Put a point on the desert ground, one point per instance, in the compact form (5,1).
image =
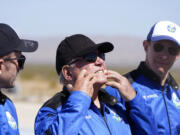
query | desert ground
(26,113)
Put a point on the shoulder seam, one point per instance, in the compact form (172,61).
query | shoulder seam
(132,76)
(57,100)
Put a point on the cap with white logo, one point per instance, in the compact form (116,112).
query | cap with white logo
(165,30)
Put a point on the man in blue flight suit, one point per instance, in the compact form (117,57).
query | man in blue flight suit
(82,107)
(11,62)
(153,81)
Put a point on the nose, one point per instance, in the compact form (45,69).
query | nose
(165,54)
(99,61)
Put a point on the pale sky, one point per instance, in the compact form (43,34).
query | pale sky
(104,17)
(58,18)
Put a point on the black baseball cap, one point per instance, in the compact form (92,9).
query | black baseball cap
(76,46)
(9,41)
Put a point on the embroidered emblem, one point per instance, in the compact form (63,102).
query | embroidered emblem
(11,121)
(150,96)
(116,116)
(175,100)
(88,117)
(171,28)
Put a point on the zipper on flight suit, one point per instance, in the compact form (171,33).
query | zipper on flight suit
(102,114)
(107,125)
(167,113)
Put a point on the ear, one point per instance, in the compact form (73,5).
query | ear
(178,56)
(146,44)
(67,72)
(1,62)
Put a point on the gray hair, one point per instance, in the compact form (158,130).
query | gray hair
(62,80)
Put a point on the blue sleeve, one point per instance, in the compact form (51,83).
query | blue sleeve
(141,118)
(66,119)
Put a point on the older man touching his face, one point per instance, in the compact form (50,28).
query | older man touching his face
(82,107)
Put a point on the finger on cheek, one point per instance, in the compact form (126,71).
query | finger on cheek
(106,72)
(83,73)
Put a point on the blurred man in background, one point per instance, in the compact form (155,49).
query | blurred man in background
(11,62)
(82,107)
(153,80)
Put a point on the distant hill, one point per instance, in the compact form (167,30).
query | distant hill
(128,50)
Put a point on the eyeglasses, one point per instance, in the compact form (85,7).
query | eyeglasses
(21,61)
(171,50)
(90,57)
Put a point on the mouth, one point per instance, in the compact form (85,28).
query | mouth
(99,71)
(162,63)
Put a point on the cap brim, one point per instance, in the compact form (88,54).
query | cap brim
(102,47)
(27,46)
(105,47)
(158,38)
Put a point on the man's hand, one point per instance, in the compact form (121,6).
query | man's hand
(122,84)
(85,83)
